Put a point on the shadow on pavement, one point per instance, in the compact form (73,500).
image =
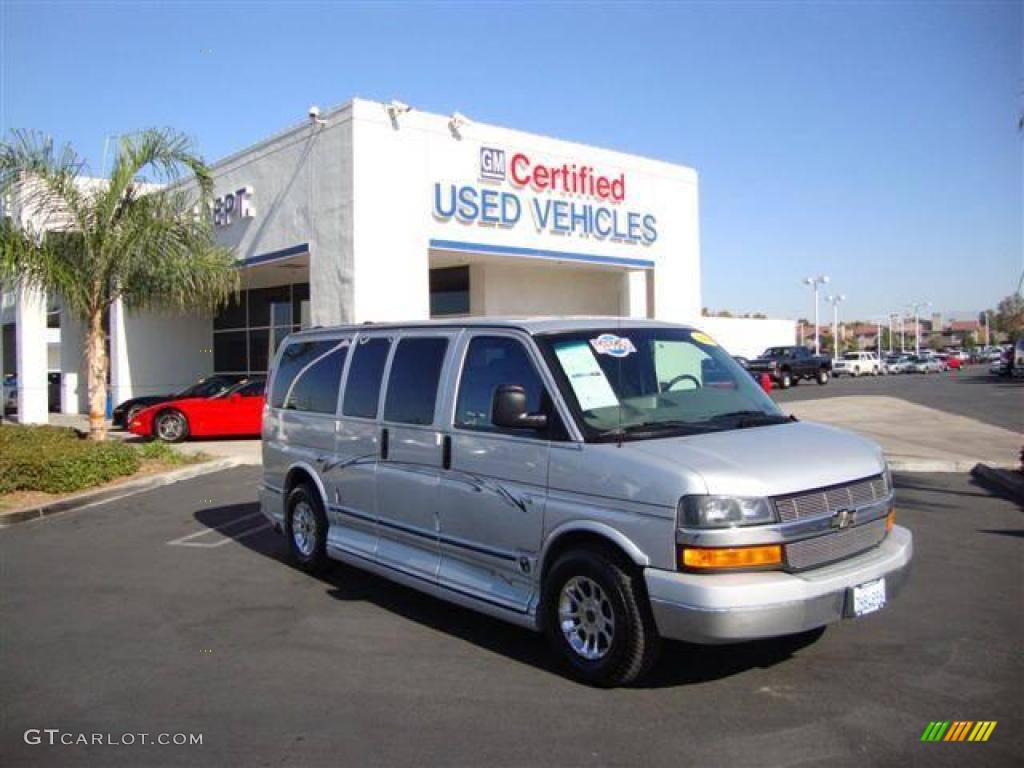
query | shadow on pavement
(680,663)
(1018,533)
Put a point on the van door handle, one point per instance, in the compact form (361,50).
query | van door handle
(446,452)
(384,444)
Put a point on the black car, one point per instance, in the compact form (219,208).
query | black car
(208,387)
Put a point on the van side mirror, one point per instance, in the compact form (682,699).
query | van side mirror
(508,409)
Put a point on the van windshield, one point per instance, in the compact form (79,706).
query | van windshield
(642,383)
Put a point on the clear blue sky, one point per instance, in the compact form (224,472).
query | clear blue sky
(876,142)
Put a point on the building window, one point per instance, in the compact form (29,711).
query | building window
(449,291)
(248,330)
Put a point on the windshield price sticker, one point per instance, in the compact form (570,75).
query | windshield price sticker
(586,377)
(610,344)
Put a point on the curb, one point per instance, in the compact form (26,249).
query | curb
(939,466)
(129,488)
(1001,481)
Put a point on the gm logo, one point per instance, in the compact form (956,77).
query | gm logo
(492,163)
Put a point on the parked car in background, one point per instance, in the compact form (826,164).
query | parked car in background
(894,364)
(208,387)
(857,364)
(236,412)
(10,393)
(788,365)
(950,362)
(605,482)
(924,364)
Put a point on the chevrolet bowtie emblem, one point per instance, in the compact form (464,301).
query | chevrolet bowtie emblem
(842,519)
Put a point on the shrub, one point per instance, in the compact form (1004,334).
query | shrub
(162,452)
(57,460)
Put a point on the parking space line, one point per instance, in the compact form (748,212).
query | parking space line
(189,539)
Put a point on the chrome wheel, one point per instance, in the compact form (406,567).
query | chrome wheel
(586,617)
(304,528)
(170,427)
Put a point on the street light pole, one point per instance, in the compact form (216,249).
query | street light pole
(815,282)
(834,300)
(917,324)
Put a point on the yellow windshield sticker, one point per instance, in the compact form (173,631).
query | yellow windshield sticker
(703,338)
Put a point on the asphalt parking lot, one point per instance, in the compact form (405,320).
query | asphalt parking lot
(173,611)
(972,392)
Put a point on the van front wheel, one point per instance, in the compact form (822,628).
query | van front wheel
(597,619)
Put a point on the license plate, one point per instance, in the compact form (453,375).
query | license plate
(868,598)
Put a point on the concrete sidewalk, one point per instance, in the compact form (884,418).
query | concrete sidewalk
(916,438)
(240,451)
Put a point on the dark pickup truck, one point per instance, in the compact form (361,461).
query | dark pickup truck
(788,365)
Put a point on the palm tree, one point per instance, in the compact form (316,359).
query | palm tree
(143,239)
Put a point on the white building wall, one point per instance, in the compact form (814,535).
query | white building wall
(519,289)
(72,365)
(748,337)
(155,353)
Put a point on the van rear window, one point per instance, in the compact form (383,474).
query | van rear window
(308,376)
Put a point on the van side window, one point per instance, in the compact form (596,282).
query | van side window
(490,362)
(296,356)
(414,379)
(362,388)
(315,389)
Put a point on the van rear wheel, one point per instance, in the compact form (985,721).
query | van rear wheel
(597,619)
(306,529)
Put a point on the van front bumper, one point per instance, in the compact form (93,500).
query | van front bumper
(732,607)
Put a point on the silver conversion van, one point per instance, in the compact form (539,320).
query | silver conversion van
(608,482)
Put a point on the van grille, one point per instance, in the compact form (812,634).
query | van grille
(827,501)
(820,550)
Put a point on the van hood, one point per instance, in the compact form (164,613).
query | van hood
(771,460)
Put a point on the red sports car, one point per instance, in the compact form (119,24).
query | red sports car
(234,413)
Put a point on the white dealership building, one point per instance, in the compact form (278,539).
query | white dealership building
(373,212)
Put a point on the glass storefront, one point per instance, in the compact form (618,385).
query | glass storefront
(248,331)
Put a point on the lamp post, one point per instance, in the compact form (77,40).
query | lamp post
(814,282)
(834,301)
(916,306)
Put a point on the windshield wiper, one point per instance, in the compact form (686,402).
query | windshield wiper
(750,418)
(651,427)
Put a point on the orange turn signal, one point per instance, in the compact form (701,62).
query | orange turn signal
(890,520)
(705,558)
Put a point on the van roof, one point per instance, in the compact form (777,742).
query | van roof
(531,325)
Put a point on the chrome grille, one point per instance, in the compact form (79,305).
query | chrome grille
(809,553)
(828,501)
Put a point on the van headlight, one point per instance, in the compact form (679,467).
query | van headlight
(725,511)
